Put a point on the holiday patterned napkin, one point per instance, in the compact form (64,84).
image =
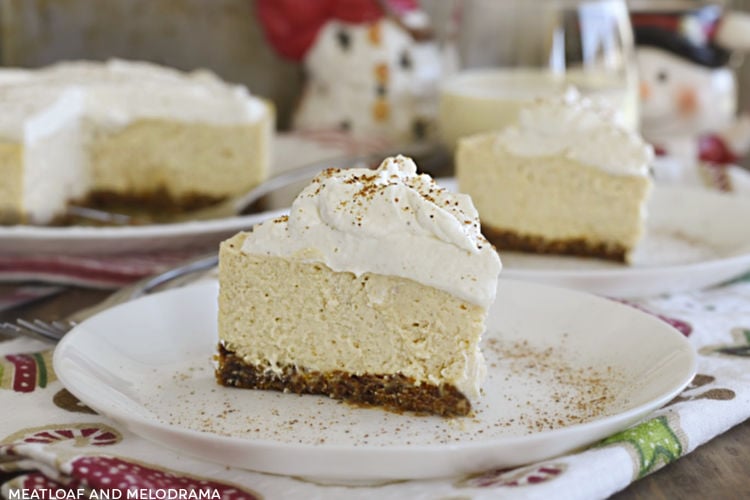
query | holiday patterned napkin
(94,271)
(731,179)
(52,446)
(725,178)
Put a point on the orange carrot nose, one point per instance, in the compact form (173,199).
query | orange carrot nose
(645,90)
(687,101)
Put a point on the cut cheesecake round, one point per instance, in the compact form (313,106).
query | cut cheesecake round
(125,134)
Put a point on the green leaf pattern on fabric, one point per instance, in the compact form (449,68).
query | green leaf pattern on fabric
(654,442)
(742,279)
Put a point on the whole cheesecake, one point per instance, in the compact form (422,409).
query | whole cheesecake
(566,179)
(125,133)
(373,290)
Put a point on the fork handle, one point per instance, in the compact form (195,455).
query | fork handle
(147,285)
(200,264)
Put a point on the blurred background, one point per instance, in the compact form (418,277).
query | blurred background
(742,66)
(222,35)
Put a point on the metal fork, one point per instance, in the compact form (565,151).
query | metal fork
(50,331)
(53,331)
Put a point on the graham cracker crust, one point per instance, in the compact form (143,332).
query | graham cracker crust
(159,199)
(140,206)
(510,240)
(392,392)
(10,218)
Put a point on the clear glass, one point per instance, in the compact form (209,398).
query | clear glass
(503,53)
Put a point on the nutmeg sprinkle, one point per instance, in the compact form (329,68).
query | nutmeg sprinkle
(372,184)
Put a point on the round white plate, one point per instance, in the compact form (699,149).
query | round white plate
(565,370)
(694,239)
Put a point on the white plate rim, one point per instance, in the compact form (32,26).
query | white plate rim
(101,241)
(143,231)
(516,273)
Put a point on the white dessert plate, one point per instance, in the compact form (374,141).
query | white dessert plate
(566,369)
(694,239)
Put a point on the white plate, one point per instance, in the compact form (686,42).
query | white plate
(694,239)
(589,368)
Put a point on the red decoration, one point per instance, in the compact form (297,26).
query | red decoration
(681,326)
(523,476)
(712,149)
(24,379)
(662,21)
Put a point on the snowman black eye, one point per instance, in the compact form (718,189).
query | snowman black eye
(343,39)
(405,60)
(662,76)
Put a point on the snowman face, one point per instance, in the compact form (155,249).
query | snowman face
(681,98)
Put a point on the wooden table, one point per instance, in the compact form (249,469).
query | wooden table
(720,469)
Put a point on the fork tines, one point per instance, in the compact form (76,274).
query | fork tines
(50,331)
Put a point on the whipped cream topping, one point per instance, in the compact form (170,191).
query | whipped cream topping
(575,127)
(119,92)
(389,221)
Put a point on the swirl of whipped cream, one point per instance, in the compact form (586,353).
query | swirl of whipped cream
(389,221)
(579,129)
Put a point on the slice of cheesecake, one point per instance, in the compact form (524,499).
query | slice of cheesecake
(567,179)
(373,290)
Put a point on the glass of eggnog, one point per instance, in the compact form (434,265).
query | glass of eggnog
(502,54)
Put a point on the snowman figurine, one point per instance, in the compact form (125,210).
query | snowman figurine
(371,68)
(689,93)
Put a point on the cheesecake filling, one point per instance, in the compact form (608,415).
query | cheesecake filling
(276,313)
(49,133)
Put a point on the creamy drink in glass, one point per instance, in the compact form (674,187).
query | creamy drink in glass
(510,52)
